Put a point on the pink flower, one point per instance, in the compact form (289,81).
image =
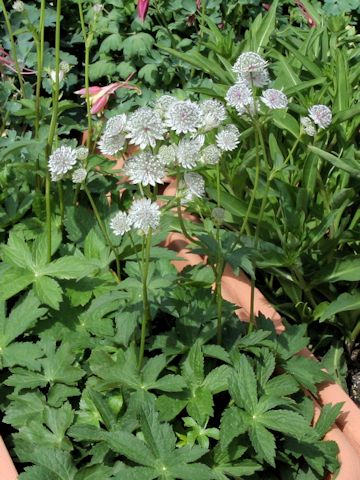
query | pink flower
(9,63)
(99,96)
(142,9)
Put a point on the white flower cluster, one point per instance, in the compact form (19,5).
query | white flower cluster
(143,215)
(64,159)
(319,115)
(252,72)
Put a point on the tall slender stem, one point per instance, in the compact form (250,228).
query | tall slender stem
(219,264)
(40,65)
(87,40)
(103,230)
(13,48)
(53,125)
(146,307)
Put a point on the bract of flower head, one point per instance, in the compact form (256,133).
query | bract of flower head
(166,154)
(111,145)
(18,6)
(120,224)
(184,117)
(163,104)
(218,214)
(144,214)
(274,99)
(145,127)
(82,153)
(239,95)
(321,115)
(61,161)
(308,126)
(144,168)
(211,155)
(115,125)
(79,175)
(98,8)
(252,68)
(214,113)
(228,138)
(188,152)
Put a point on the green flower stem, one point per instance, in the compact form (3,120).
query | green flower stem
(219,264)
(146,307)
(53,126)
(40,66)
(61,201)
(87,40)
(103,230)
(13,48)
(291,152)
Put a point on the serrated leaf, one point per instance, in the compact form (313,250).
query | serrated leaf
(48,291)
(193,366)
(217,379)
(57,463)
(306,371)
(169,383)
(200,405)
(263,442)
(189,472)
(344,303)
(131,447)
(328,415)
(288,422)
(242,385)
(234,422)
(17,252)
(24,408)
(281,385)
(13,280)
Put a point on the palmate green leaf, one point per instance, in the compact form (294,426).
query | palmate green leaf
(116,373)
(242,385)
(95,472)
(189,472)
(234,422)
(102,406)
(265,367)
(22,317)
(193,367)
(345,302)
(59,365)
(35,473)
(159,437)
(288,422)
(17,252)
(48,291)
(217,379)
(328,415)
(263,442)
(200,404)
(13,280)
(170,407)
(131,447)
(169,383)
(136,473)
(292,341)
(24,408)
(69,267)
(57,463)
(243,469)
(23,378)
(281,385)
(152,368)
(306,371)
(24,354)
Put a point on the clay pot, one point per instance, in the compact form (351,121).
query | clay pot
(237,290)
(7,468)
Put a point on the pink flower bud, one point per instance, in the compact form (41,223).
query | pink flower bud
(142,9)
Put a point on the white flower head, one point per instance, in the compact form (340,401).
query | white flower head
(145,127)
(144,168)
(163,104)
(321,115)
(308,126)
(195,185)
(18,6)
(144,214)
(115,125)
(82,153)
(111,145)
(98,8)
(61,161)
(211,155)
(188,152)
(274,99)
(214,113)
(252,68)
(166,154)
(120,224)
(218,214)
(228,138)
(239,95)
(79,175)
(184,117)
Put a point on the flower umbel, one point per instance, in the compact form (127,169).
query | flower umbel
(61,161)
(321,115)
(274,99)
(79,175)
(184,117)
(111,145)
(228,138)
(144,214)
(195,185)
(144,168)
(188,152)
(145,127)
(308,126)
(120,224)
(251,68)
